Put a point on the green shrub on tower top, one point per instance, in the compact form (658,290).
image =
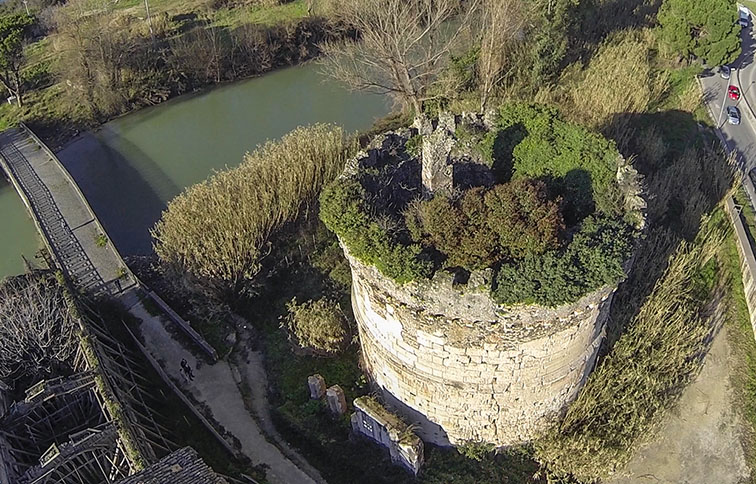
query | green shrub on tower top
(535,198)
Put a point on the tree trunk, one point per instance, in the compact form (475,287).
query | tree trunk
(17,93)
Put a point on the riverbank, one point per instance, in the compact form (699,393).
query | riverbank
(187,49)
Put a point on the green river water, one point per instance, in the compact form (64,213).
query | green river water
(131,167)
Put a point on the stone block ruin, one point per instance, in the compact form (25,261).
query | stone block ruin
(445,355)
(373,421)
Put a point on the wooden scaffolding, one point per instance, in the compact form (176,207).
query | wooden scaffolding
(96,426)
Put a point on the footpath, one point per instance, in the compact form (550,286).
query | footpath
(216,388)
(699,441)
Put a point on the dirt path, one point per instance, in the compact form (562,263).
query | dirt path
(215,386)
(699,442)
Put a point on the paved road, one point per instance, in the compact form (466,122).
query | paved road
(740,138)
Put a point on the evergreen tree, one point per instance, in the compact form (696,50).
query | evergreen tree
(706,29)
(13,32)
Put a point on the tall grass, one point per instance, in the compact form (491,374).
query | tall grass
(649,366)
(214,234)
(619,79)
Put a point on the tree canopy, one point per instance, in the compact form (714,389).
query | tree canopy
(13,31)
(706,29)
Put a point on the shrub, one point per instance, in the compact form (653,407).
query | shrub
(343,210)
(484,226)
(524,218)
(580,165)
(318,325)
(214,234)
(593,259)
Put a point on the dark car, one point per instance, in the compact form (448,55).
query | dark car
(724,72)
(733,115)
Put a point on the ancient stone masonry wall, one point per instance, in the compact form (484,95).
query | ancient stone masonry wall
(463,368)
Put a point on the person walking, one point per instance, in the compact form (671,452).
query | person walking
(187,369)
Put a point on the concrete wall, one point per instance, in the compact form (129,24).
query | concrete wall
(747,261)
(463,368)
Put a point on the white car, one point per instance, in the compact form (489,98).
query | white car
(733,115)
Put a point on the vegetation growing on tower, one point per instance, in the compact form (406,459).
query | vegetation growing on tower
(535,198)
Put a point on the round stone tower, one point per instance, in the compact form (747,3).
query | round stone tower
(464,368)
(442,352)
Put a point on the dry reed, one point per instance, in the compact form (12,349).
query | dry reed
(215,233)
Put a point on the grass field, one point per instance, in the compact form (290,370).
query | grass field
(253,13)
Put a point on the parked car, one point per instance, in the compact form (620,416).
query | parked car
(733,92)
(724,72)
(733,115)
(743,22)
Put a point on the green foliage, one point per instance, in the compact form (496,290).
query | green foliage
(648,367)
(215,233)
(328,257)
(484,226)
(317,325)
(550,40)
(13,31)
(705,29)
(533,141)
(101,240)
(414,145)
(476,450)
(593,259)
(463,69)
(343,210)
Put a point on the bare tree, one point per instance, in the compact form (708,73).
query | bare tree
(404,45)
(37,331)
(500,23)
(92,49)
